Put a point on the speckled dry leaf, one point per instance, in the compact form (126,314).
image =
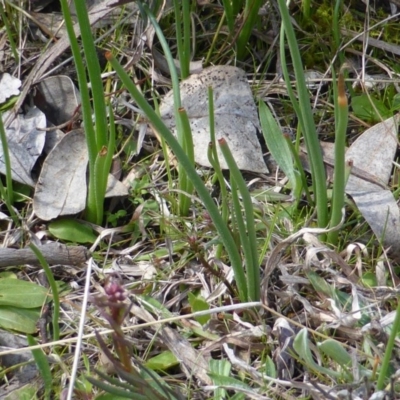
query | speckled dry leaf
(373,152)
(9,86)
(25,144)
(61,187)
(236,117)
(58,98)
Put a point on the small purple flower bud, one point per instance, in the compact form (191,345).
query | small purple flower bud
(114,291)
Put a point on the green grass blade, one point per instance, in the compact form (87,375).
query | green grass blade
(389,349)
(250,18)
(184,183)
(202,191)
(277,145)
(10,37)
(305,116)
(54,291)
(249,242)
(339,183)
(214,161)
(9,193)
(183,41)
(43,367)
(90,132)
(229,15)
(181,126)
(93,68)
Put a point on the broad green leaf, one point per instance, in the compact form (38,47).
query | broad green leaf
(109,396)
(369,279)
(199,304)
(302,348)
(160,253)
(270,368)
(238,396)
(204,333)
(333,349)
(396,102)
(219,368)
(229,381)
(370,109)
(162,361)
(152,304)
(8,275)
(27,392)
(72,231)
(277,144)
(19,319)
(268,195)
(321,286)
(116,392)
(23,294)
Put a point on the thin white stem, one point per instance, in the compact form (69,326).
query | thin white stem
(80,332)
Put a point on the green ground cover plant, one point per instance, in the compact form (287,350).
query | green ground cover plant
(193,260)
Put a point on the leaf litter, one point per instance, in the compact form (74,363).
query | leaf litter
(61,187)
(321,308)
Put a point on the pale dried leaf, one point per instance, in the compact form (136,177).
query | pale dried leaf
(139,269)
(236,117)
(9,86)
(52,24)
(192,362)
(25,144)
(58,98)
(373,152)
(372,156)
(61,187)
(115,188)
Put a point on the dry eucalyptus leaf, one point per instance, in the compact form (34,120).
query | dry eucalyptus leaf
(61,187)
(372,156)
(115,188)
(52,24)
(58,98)
(236,117)
(373,152)
(9,86)
(25,144)
(52,138)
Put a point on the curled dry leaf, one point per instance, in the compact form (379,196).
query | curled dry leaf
(373,152)
(9,86)
(235,113)
(58,98)
(25,144)
(61,187)
(372,157)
